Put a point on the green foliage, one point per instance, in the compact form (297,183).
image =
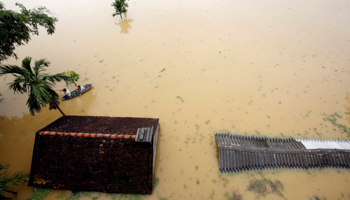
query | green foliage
(333,119)
(120,7)
(16,28)
(155,181)
(7,181)
(38,84)
(40,194)
(197,126)
(180,98)
(73,76)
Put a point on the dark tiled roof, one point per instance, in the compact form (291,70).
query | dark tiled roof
(92,161)
(98,124)
(88,135)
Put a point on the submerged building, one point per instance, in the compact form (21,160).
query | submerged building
(239,153)
(105,154)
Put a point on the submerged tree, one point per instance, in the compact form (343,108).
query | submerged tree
(72,75)
(236,196)
(261,189)
(7,181)
(120,7)
(16,28)
(37,84)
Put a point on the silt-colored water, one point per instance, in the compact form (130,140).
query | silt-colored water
(271,68)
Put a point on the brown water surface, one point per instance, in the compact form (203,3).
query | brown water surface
(272,68)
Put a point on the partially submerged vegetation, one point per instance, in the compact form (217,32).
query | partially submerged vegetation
(40,194)
(120,7)
(333,119)
(8,180)
(264,186)
(73,76)
(235,196)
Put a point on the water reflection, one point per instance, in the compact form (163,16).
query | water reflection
(124,24)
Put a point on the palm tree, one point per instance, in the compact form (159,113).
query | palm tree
(37,84)
(120,7)
(8,180)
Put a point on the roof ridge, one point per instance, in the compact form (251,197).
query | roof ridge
(88,135)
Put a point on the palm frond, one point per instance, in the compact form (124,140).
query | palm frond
(4,166)
(7,181)
(120,7)
(11,69)
(39,66)
(38,98)
(53,93)
(125,5)
(12,179)
(54,103)
(26,64)
(58,78)
(18,85)
(44,83)
(33,104)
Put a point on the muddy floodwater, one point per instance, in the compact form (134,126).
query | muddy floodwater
(266,68)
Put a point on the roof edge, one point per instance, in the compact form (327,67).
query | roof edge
(87,135)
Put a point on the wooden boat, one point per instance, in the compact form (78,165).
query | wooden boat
(75,93)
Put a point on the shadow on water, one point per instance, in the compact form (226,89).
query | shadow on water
(124,24)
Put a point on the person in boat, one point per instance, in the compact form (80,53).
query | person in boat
(81,89)
(67,94)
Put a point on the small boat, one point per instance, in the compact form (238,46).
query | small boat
(75,93)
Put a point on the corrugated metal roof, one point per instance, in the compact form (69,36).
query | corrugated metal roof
(237,153)
(325,144)
(144,134)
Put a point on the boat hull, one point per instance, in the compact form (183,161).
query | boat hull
(76,92)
